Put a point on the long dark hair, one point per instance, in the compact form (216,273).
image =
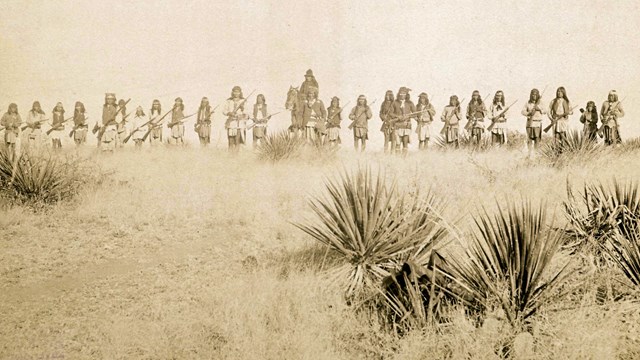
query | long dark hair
(564,93)
(33,108)
(159,107)
(594,112)
(495,98)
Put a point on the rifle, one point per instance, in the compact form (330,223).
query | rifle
(473,122)
(104,127)
(353,122)
(57,126)
(207,119)
(157,124)
(555,121)
(124,141)
(444,127)
(493,119)
(601,129)
(236,108)
(35,123)
(174,123)
(76,128)
(268,118)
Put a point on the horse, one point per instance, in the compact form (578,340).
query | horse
(293,104)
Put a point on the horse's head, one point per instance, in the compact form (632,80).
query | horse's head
(292,98)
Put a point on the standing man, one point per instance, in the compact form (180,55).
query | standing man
(80,126)
(57,126)
(176,126)
(203,122)
(234,109)
(534,110)
(139,127)
(35,118)
(386,113)
(260,119)
(612,111)
(499,131)
(476,112)
(403,111)
(424,119)
(121,123)
(451,118)
(11,122)
(560,109)
(107,141)
(308,84)
(313,113)
(590,120)
(334,117)
(360,115)
(155,134)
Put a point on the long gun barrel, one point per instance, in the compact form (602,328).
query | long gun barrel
(157,124)
(353,122)
(446,124)
(104,127)
(493,120)
(555,121)
(35,123)
(57,126)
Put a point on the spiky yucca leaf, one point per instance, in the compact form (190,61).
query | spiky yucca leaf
(510,262)
(466,142)
(373,226)
(45,178)
(280,145)
(603,210)
(575,146)
(625,252)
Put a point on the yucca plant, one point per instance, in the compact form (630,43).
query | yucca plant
(632,144)
(510,262)
(39,178)
(465,142)
(575,146)
(603,210)
(279,146)
(374,227)
(625,251)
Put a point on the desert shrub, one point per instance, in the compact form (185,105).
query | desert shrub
(465,142)
(374,227)
(575,147)
(509,263)
(279,146)
(632,144)
(600,212)
(38,179)
(625,251)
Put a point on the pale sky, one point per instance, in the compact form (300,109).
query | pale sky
(78,50)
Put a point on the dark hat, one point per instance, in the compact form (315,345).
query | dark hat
(178,99)
(236,88)
(309,73)
(404,90)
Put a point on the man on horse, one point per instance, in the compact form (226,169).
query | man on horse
(309,83)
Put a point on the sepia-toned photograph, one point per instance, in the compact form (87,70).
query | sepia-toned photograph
(319,179)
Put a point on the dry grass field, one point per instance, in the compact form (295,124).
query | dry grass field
(191,254)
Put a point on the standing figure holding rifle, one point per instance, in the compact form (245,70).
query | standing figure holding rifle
(203,122)
(360,115)
(80,126)
(57,126)
(35,118)
(260,119)
(139,127)
(499,119)
(176,125)
(589,118)
(403,111)
(559,111)
(334,117)
(234,109)
(121,123)
(155,132)
(11,122)
(387,128)
(611,112)
(476,112)
(534,110)
(108,129)
(313,114)
(426,112)
(451,118)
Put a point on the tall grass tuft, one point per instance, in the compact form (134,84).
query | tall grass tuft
(374,227)
(40,179)
(279,146)
(602,211)
(575,146)
(465,142)
(510,263)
